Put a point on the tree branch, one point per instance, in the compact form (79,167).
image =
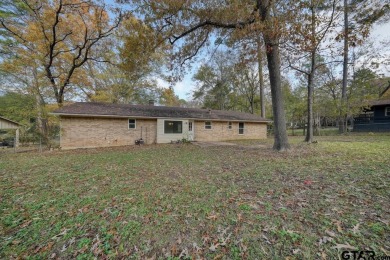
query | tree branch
(238,25)
(297,69)
(197,49)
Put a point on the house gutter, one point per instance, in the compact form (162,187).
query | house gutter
(148,117)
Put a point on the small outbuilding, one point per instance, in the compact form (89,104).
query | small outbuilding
(89,124)
(374,119)
(6,124)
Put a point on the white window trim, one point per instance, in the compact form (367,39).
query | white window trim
(387,111)
(135,123)
(243,129)
(182,124)
(211,125)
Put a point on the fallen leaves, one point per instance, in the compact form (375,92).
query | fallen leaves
(387,253)
(344,246)
(184,253)
(95,248)
(295,251)
(324,240)
(355,229)
(330,233)
(196,248)
(63,233)
(213,247)
(212,217)
(26,223)
(266,239)
(217,215)
(338,225)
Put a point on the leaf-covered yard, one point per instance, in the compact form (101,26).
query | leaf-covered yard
(171,201)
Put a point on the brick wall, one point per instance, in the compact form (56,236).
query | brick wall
(220,131)
(104,132)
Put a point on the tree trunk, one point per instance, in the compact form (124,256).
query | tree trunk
(41,122)
(293,127)
(280,131)
(342,128)
(310,77)
(271,43)
(309,132)
(39,104)
(261,77)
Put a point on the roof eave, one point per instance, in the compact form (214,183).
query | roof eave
(13,122)
(129,116)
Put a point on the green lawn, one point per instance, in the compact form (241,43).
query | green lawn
(321,132)
(167,201)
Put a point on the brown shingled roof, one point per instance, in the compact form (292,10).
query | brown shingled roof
(385,91)
(148,111)
(380,102)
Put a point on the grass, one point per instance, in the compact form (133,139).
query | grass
(184,201)
(322,131)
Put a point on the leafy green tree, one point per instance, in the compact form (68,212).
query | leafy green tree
(295,105)
(137,55)
(212,90)
(11,10)
(314,23)
(169,98)
(245,81)
(364,87)
(20,108)
(228,82)
(214,82)
(17,107)
(359,16)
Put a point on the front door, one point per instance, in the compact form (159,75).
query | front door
(190,130)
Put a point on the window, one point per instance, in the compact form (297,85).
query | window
(387,111)
(230,125)
(132,124)
(240,128)
(207,125)
(190,126)
(173,127)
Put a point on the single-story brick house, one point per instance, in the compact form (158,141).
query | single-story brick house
(87,125)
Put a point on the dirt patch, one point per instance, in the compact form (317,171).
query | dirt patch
(211,144)
(218,144)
